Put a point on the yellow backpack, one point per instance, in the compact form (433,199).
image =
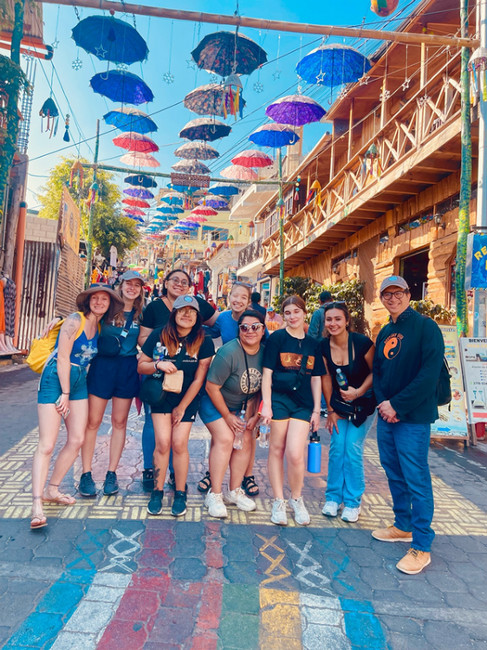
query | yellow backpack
(42,348)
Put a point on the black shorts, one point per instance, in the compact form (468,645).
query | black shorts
(172,400)
(285,408)
(113,377)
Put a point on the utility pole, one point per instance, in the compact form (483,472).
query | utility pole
(89,242)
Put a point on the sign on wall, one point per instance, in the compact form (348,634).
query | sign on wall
(476,269)
(474,361)
(69,222)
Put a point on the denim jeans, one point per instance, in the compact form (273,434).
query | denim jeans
(346,480)
(149,441)
(403,451)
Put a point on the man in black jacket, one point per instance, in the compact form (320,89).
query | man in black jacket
(407,364)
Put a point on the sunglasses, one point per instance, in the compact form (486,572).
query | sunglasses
(334,304)
(245,327)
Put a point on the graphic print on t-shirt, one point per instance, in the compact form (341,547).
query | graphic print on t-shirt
(292,361)
(392,345)
(254,383)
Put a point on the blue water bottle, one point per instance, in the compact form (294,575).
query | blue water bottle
(314,453)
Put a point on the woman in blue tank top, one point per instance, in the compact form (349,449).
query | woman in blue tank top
(63,394)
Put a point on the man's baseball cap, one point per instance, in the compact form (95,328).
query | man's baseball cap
(186,301)
(394,281)
(270,308)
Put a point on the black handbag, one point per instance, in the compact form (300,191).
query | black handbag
(109,345)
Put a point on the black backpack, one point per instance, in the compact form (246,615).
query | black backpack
(443,387)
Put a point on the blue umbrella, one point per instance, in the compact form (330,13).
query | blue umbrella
(139,193)
(172,200)
(333,65)
(110,39)
(134,217)
(122,86)
(130,119)
(141,180)
(170,209)
(222,189)
(273,135)
(204,128)
(186,189)
(215,203)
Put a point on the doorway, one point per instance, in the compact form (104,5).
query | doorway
(414,269)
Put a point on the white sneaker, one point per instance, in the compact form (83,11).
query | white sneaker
(240,499)
(215,505)
(301,515)
(350,514)
(278,514)
(330,509)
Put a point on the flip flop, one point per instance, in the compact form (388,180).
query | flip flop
(60,500)
(37,522)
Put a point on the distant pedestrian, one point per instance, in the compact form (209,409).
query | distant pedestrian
(255,303)
(407,364)
(273,320)
(317,323)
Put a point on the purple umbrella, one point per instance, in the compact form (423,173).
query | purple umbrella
(215,203)
(295,110)
(122,86)
(139,193)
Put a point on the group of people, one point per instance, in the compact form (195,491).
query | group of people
(257,376)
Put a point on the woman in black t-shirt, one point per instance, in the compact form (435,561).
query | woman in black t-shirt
(179,346)
(291,394)
(349,355)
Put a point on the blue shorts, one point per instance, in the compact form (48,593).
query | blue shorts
(209,412)
(113,377)
(49,390)
(285,408)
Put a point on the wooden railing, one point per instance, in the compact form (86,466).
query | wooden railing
(430,111)
(250,253)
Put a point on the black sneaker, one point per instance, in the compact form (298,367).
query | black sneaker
(154,507)
(87,487)
(110,486)
(172,481)
(179,503)
(148,480)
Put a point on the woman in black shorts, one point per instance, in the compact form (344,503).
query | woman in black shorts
(179,345)
(113,375)
(291,394)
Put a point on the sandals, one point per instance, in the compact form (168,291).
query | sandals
(37,521)
(249,486)
(60,500)
(205,483)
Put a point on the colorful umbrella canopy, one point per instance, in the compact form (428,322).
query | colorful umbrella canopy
(174,198)
(223,189)
(384,8)
(273,135)
(135,217)
(228,52)
(110,39)
(140,180)
(204,211)
(136,211)
(172,209)
(136,159)
(333,65)
(204,129)
(122,86)
(196,150)
(295,110)
(191,167)
(135,142)
(191,225)
(239,173)
(217,203)
(136,203)
(130,119)
(196,218)
(252,158)
(138,192)
(211,99)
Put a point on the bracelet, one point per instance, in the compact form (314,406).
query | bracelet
(155,365)
(315,411)
(64,393)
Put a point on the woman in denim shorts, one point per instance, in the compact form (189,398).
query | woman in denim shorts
(63,393)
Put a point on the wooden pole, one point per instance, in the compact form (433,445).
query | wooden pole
(265,24)
(89,239)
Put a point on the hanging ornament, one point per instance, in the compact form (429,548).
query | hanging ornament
(478,74)
(76,174)
(258,87)
(49,110)
(383,8)
(168,77)
(77,64)
(372,166)
(66,128)
(232,104)
(276,75)
(213,78)
(316,188)
(93,195)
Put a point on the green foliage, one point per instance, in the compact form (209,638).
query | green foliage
(110,227)
(293,286)
(437,312)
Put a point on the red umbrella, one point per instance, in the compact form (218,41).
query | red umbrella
(239,173)
(204,211)
(196,218)
(136,159)
(136,211)
(252,158)
(135,142)
(136,203)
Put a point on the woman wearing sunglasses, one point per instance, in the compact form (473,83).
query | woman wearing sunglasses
(291,394)
(229,410)
(347,390)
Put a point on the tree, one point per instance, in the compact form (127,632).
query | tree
(110,226)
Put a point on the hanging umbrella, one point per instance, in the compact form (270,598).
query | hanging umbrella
(333,65)
(135,159)
(204,129)
(273,135)
(136,203)
(223,189)
(188,224)
(140,180)
(122,86)
(135,142)
(134,217)
(110,39)
(217,203)
(191,167)
(252,158)
(173,209)
(384,8)
(204,211)
(295,110)
(227,52)
(173,198)
(196,150)
(214,99)
(239,173)
(137,211)
(138,193)
(196,218)
(130,119)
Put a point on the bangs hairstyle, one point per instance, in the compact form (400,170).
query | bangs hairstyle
(169,276)
(119,319)
(342,306)
(293,300)
(171,339)
(251,313)
(109,315)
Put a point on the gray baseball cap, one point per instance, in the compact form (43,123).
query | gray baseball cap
(394,281)
(131,275)
(186,301)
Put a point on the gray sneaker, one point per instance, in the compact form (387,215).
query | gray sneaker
(215,505)
(330,509)
(301,515)
(87,487)
(278,514)
(350,514)
(240,499)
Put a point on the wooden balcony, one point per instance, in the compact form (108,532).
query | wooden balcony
(417,147)
(250,253)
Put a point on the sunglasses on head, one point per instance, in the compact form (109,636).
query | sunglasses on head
(334,304)
(245,327)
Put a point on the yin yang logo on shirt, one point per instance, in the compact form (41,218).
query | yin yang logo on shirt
(392,346)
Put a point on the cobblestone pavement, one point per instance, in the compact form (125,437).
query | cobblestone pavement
(104,574)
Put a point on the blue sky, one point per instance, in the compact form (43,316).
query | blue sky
(170,44)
